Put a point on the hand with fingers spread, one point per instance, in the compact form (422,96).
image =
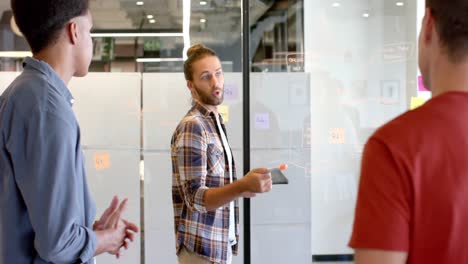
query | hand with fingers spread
(130,230)
(119,232)
(257,181)
(102,222)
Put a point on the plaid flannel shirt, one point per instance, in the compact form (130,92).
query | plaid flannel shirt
(199,162)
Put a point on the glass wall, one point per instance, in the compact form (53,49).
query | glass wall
(323,76)
(361,57)
(280,109)
(108,109)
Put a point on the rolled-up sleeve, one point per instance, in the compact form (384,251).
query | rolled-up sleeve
(191,149)
(50,188)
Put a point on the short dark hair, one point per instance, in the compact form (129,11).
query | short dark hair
(194,54)
(451,21)
(41,21)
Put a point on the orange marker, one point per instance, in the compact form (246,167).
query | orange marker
(281,167)
(277,176)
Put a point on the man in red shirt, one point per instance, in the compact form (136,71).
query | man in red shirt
(412,204)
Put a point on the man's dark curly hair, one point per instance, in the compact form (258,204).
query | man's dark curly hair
(41,21)
(451,21)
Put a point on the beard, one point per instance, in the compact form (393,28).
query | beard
(207,98)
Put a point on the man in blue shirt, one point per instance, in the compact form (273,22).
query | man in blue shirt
(46,211)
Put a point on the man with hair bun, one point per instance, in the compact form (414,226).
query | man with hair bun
(205,189)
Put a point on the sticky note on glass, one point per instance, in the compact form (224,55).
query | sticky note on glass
(337,136)
(421,87)
(224,112)
(417,102)
(231,92)
(262,121)
(102,161)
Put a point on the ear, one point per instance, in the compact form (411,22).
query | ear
(190,85)
(428,27)
(72,32)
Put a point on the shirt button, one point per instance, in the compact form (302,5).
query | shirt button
(72,101)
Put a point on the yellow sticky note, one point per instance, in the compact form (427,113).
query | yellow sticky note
(417,102)
(224,112)
(102,161)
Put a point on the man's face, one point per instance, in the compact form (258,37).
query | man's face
(207,85)
(84,45)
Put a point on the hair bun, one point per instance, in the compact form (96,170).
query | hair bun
(194,49)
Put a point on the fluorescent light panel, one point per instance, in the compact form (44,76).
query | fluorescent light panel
(130,35)
(15,54)
(186,6)
(158,59)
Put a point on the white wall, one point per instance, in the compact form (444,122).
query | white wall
(6,78)
(107,106)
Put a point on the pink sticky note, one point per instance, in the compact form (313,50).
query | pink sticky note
(421,87)
(262,121)
(231,92)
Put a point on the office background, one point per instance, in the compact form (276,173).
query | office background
(306,83)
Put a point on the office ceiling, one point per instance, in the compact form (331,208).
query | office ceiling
(213,21)
(207,16)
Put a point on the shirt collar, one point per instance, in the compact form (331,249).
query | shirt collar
(202,109)
(206,112)
(51,76)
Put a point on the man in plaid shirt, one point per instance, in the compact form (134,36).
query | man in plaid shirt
(205,189)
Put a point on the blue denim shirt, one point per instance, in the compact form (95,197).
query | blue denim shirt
(46,211)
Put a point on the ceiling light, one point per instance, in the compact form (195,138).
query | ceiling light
(158,59)
(400,3)
(203,3)
(140,3)
(202,20)
(150,16)
(152,21)
(15,54)
(366,15)
(135,35)
(336,4)
(186,14)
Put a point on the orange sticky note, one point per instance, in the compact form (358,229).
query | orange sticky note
(102,161)
(337,136)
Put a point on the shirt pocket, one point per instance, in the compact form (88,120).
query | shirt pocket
(215,161)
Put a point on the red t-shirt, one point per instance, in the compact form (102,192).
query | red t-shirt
(413,191)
